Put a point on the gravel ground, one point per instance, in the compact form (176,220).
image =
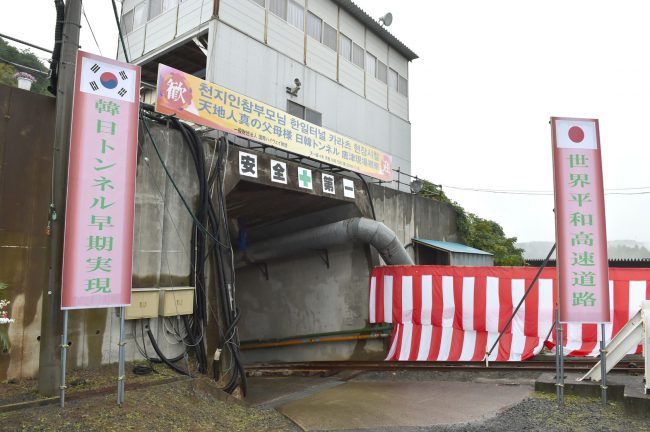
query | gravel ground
(540,413)
(537,413)
(197,405)
(189,405)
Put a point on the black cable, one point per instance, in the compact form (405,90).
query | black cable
(143,349)
(163,358)
(171,179)
(4,36)
(211,226)
(372,206)
(233,315)
(142,370)
(56,52)
(91,29)
(119,31)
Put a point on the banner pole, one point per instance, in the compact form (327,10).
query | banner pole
(64,355)
(561,349)
(603,365)
(558,343)
(120,373)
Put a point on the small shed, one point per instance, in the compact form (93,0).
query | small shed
(435,252)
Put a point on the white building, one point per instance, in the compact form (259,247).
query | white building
(353,72)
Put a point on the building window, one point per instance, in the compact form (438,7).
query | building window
(259,2)
(156,7)
(345,47)
(304,113)
(371,64)
(289,11)
(295,109)
(279,7)
(329,36)
(382,72)
(402,86)
(357,55)
(127,22)
(321,31)
(295,15)
(134,18)
(314,27)
(313,117)
(392,79)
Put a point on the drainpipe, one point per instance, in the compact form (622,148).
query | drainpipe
(294,342)
(355,230)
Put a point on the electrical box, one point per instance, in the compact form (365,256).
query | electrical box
(144,303)
(176,301)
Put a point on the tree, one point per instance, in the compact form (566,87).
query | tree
(28,61)
(477,232)
(7,72)
(488,235)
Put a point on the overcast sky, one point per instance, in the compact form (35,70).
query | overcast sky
(489,76)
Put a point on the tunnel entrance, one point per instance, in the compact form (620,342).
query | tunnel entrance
(290,302)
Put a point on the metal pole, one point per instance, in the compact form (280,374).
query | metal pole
(560,345)
(49,367)
(120,378)
(603,365)
(64,356)
(521,302)
(557,355)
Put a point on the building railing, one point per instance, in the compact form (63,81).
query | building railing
(402,180)
(407,183)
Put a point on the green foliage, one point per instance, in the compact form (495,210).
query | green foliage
(477,232)
(7,72)
(24,57)
(488,235)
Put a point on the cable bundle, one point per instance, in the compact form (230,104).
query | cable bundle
(210,241)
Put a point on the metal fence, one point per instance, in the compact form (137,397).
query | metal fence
(402,180)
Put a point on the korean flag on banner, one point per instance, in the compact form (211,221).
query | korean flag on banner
(107,80)
(576,134)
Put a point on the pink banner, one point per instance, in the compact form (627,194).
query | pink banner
(580,221)
(97,255)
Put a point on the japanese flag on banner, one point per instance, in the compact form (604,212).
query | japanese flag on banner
(107,80)
(576,134)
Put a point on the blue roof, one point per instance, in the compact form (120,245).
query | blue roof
(451,247)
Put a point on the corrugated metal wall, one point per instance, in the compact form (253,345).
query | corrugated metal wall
(237,61)
(259,54)
(179,21)
(474,260)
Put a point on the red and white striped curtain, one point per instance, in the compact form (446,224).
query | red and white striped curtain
(444,313)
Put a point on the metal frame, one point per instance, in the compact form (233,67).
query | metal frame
(635,332)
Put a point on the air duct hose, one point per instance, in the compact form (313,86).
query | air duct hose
(355,230)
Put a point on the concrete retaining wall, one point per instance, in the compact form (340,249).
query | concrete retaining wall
(302,294)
